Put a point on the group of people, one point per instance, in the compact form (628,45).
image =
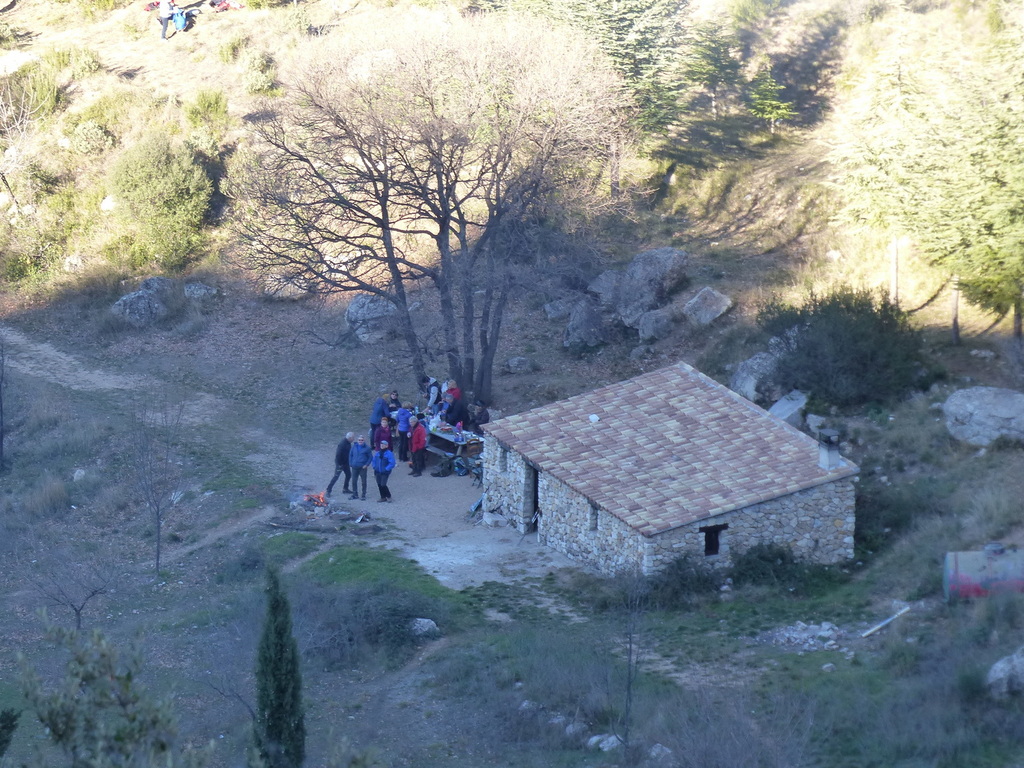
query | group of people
(395,424)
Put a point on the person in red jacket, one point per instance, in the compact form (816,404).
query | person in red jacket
(418,446)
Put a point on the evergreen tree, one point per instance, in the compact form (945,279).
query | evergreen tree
(711,62)
(8,725)
(280,728)
(932,148)
(764,102)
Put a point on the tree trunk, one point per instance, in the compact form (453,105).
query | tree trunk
(490,332)
(955,309)
(1018,321)
(614,169)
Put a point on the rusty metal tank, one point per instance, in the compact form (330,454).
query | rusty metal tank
(979,574)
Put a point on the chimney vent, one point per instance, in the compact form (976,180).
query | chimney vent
(828,449)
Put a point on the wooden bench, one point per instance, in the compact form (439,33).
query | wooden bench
(440,452)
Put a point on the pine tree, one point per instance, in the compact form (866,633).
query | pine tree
(280,728)
(764,101)
(711,62)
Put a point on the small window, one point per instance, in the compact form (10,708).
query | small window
(503,460)
(593,517)
(712,539)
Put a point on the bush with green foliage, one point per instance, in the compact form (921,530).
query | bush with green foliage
(91,138)
(682,583)
(846,347)
(258,72)
(773,565)
(163,195)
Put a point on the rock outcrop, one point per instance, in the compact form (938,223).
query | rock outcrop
(981,415)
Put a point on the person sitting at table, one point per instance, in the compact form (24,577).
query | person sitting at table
(382,434)
(478,416)
(418,445)
(454,412)
(393,402)
(450,387)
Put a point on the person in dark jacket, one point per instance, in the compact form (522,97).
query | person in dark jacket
(455,412)
(359,462)
(382,434)
(432,393)
(393,401)
(341,464)
(478,416)
(383,462)
(418,446)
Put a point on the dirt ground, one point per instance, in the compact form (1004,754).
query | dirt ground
(430,515)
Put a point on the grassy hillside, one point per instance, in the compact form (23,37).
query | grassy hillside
(119,167)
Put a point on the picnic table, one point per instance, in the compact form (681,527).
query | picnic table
(445,442)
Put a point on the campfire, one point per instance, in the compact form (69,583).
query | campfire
(316,499)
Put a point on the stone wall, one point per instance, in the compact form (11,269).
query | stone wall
(816,524)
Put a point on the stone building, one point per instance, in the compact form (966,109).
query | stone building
(631,476)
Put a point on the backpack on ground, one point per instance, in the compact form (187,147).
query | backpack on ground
(444,468)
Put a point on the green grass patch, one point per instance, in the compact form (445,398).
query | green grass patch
(279,549)
(352,565)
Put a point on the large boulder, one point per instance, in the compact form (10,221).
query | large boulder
(790,408)
(370,317)
(1006,677)
(648,281)
(981,415)
(654,325)
(606,288)
(707,306)
(152,302)
(586,327)
(752,378)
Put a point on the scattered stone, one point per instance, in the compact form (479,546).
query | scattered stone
(706,307)
(520,365)
(573,730)
(424,628)
(492,520)
(659,752)
(585,328)
(752,377)
(984,354)
(281,288)
(805,637)
(980,415)
(830,667)
(1006,677)
(528,706)
(815,423)
(790,408)
(107,204)
(78,476)
(655,325)
(370,317)
(639,353)
(605,742)
(648,281)
(560,308)
(199,291)
(149,304)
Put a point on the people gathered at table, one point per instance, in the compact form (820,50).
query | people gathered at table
(399,432)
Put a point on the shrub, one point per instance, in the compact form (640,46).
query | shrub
(681,584)
(163,195)
(232,49)
(8,37)
(847,347)
(258,72)
(90,138)
(209,108)
(766,564)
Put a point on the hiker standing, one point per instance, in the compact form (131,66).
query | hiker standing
(341,464)
(402,427)
(166,11)
(379,412)
(418,445)
(382,434)
(359,462)
(383,463)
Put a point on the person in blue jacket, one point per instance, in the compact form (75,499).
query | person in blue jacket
(359,462)
(383,463)
(380,410)
(403,429)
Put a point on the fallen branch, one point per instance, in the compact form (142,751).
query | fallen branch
(885,623)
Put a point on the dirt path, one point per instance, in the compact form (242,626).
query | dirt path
(427,522)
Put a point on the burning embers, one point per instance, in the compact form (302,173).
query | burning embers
(316,499)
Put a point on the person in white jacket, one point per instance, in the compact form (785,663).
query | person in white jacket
(165,12)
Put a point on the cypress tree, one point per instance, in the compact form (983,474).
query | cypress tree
(280,728)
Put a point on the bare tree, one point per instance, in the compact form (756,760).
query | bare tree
(75,587)
(17,111)
(436,162)
(153,456)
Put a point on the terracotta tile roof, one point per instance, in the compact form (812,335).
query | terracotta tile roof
(671,447)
